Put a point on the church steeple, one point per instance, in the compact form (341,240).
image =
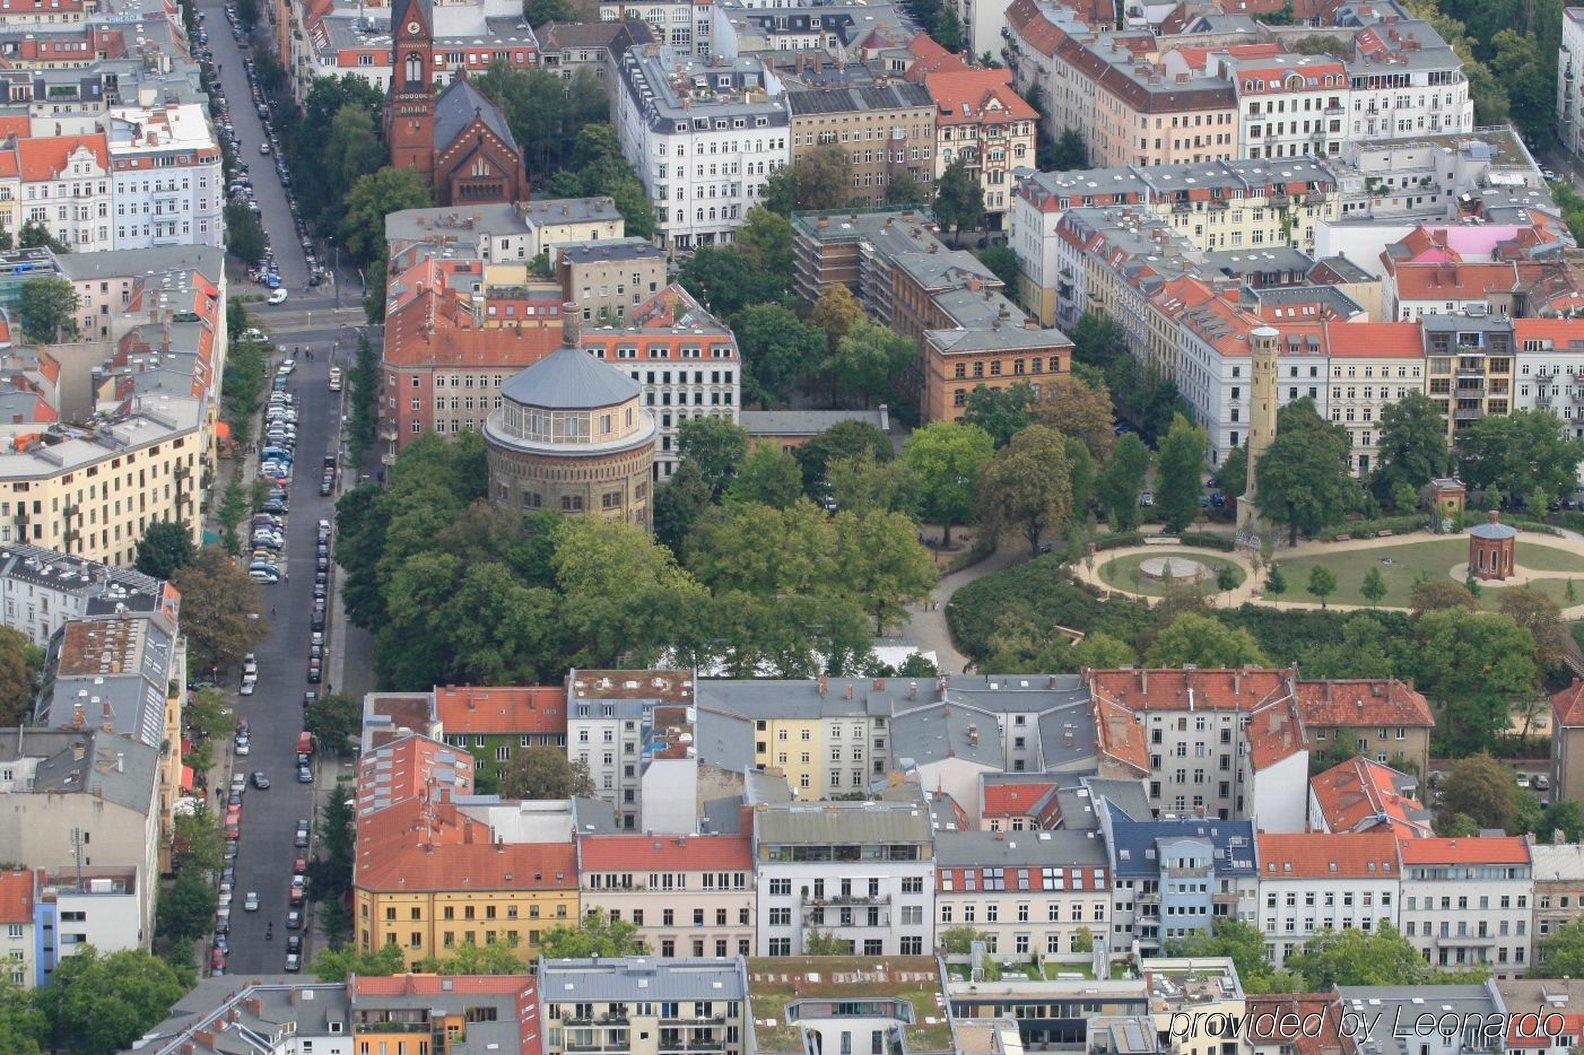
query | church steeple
(410,107)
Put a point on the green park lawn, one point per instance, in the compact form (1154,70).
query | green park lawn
(1413,561)
(1118,571)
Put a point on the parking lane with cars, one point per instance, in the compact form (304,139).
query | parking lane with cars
(272,847)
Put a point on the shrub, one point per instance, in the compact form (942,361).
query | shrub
(1044,590)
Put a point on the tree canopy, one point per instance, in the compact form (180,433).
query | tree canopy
(1304,477)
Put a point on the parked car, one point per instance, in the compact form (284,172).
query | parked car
(260,781)
(278,297)
(250,901)
(304,775)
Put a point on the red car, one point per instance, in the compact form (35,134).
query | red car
(217,961)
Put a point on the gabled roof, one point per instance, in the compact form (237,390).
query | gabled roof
(1481,850)
(974,96)
(456,108)
(1568,705)
(45,157)
(1363,701)
(511,709)
(1362,794)
(1328,855)
(1014,800)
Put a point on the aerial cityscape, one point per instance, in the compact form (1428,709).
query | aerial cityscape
(822,527)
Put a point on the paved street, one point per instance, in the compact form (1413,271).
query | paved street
(274,209)
(309,320)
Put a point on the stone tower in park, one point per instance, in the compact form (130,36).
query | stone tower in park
(1262,422)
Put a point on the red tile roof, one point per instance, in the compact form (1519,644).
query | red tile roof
(406,769)
(420,846)
(45,158)
(515,710)
(1441,282)
(1360,702)
(977,97)
(1327,855)
(1568,705)
(1376,340)
(1494,850)
(1013,800)
(1360,794)
(930,57)
(670,853)
(1267,1022)
(1173,689)
(523,988)
(17,891)
(1274,732)
(1120,735)
(1560,332)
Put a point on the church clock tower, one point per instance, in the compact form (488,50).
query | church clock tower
(410,107)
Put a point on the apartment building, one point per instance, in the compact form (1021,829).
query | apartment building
(609,279)
(703,135)
(429,875)
(1567,743)
(685,360)
(41,591)
(1467,901)
(451,342)
(66,186)
(612,719)
(689,896)
(1558,892)
(1040,895)
(76,908)
(165,177)
(1372,366)
(1362,795)
(84,797)
(1399,1005)
(1130,107)
(981,120)
(849,1004)
(1469,367)
(1570,82)
(495,723)
(1405,80)
(887,130)
(683,24)
(860,873)
(505,233)
(19,946)
(1324,881)
(91,491)
(1176,876)
(970,334)
(1288,105)
(126,673)
(619,1005)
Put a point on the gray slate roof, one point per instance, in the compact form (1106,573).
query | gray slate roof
(807,422)
(935,733)
(570,379)
(824,823)
(455,109)
(638,979)
(1493,530)
(96,773)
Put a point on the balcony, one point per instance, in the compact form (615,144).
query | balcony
(847,900)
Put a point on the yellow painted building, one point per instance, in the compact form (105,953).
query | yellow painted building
(823,756)
(91,493)
(431,899)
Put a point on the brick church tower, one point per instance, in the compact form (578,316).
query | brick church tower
(410,108)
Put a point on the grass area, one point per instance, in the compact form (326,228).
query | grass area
(776,982)
(1556,589)
(1119,571)
(1411,562)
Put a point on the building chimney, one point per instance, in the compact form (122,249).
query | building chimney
(569,324)
(824,685)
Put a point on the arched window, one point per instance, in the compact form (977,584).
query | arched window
(414,68)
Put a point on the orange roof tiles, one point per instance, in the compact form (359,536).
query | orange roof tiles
(930,57)
(1013,800)
(977,96)
(1274,732)
(17,891)
(528,709)
(1363,701)
(672,853)
(1174,689)
(433,984)
(1452,281)
(1494,850)
(1327,855)
(1120,735)
(46,157)
(1267,1023)
(1377,340)
(1568,705)
(1560,332)
(1362,793)
(419,846)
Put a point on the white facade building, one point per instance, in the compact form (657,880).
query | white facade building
(66,187)
(40,590)
(1466,902)
(166,177)
(859,872)
(703,137)
(1406,81)
(683,24)
(1570,81)
(1314,882)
